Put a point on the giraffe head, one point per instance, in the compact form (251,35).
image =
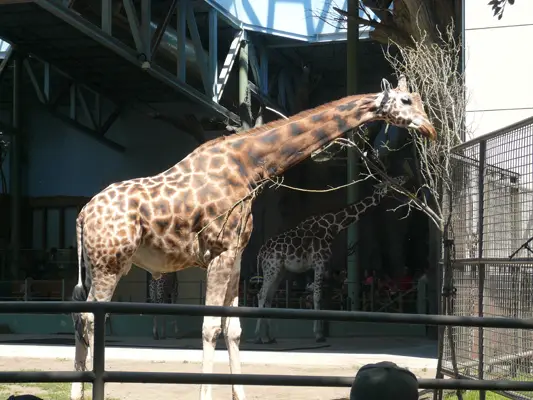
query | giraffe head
(404,109)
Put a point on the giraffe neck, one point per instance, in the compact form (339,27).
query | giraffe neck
(269,151)
(353,212)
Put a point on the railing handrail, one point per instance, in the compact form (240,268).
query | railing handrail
(60,307)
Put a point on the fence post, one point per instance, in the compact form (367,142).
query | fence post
(481,267)
(62,290)
(26,289)
(99,355)
(287,293)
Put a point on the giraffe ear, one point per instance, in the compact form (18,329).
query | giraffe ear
(385,85)
(402,83)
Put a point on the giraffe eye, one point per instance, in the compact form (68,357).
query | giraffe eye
(406,100)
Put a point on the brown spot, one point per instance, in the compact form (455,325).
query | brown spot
(112,194)
(270,137)
(169,191)
(161,207)
(211,211)
(289,150)
(196,218)
(199,163)
(318,117)
(122,233)
(203,194)
(237,144)
(156,191)
(157,179)
(296,129)
(216,162)
(197,181)
(185,166)
(321,135)
(145,211)
(347,107)
(133,204)
(162,225)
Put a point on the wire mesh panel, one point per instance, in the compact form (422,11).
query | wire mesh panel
(491,226)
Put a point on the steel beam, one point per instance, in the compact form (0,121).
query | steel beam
(5,61)
(228,63)
(246,122)
(107,16)
(263,69)
(145,31)
(213,54)
(129,55)
(158,34)
(254,64)
(181,29)
(135,27)
(200,58)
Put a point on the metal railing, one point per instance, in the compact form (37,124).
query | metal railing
(193,292)
(99,376)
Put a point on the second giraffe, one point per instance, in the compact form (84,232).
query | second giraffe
(306,246)
(159,291)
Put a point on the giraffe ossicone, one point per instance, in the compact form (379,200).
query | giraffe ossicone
(168,222)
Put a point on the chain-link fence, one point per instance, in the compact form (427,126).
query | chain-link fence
(488,255)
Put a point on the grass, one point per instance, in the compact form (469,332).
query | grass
(48,391)
(470,395)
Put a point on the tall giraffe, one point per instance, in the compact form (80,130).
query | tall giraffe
(199,212)
(307,245)
(159,290)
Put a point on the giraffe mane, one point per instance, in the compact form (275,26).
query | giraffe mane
(279,122)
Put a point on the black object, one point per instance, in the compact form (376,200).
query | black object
(384,381)
(24,397)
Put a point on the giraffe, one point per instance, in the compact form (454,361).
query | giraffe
(307,245)
(199,212)
(159,291)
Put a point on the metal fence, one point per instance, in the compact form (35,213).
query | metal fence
(99,376)
(491,264)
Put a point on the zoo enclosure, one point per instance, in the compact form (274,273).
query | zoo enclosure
(99,376)
(489,271)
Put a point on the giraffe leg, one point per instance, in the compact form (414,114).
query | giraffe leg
(318,326)
(80,364)
(219,273)
(231,327)
(272,277)
(155,333)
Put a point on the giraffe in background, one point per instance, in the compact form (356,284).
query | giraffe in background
(304,247)
(199,212)
(160,291)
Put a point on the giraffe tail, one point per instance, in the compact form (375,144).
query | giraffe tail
(81,290)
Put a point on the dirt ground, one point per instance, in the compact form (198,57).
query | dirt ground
(188,392)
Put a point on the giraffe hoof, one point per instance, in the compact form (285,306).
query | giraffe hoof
(320,339)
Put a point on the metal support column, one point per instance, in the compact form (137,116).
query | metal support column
(146,33)
(481,266)
(99,356)
(263,69)
(243,85)
(213,53)
(352,160)
(181,28)
(14,167)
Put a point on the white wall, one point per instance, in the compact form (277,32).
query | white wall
(499,65)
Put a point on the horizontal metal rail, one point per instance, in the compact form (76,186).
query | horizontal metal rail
(60,307)
(248,380)
(99,376)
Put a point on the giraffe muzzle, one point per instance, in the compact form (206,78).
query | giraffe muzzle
(425,127)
